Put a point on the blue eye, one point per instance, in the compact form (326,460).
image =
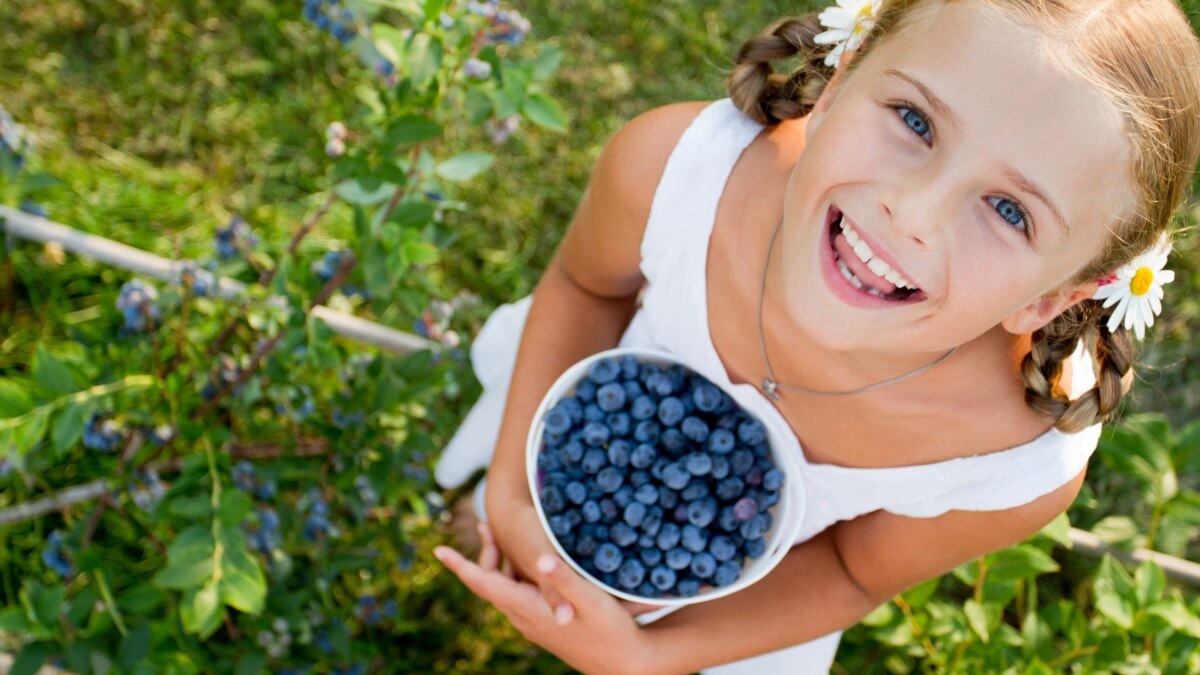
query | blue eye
(916,122)
(1011,212)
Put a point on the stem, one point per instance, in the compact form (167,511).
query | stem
(1156,514)
(110,604)
(1073,654)
(930,650)
(979,580)
(129,382)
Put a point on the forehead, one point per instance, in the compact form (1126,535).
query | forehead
(1017,106)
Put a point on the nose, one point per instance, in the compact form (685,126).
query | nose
(916,206)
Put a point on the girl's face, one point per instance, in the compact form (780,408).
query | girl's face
(971,167)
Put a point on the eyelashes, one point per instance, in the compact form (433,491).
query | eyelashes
(1010,211)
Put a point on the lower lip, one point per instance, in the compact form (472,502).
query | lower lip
(841,286)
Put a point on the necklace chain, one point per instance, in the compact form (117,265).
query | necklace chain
(771,386)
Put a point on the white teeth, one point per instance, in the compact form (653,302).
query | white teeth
(848,274)
(876,265)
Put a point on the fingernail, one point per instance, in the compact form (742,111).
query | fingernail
(564,614)
(546,564)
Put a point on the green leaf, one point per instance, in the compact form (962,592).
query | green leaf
(27,435)
(1186,449)
(191,507)
(411,129)
(1118,531)
(205,615)
(31,657)
(51,374)
(419,252)
(1058,530)
(412,214)
(44,603)
(235,504)
(1114,593)
(190,560)
(464,166)
(880,616)
(140,599)
(243,593)
(136,645)
(68,426)
(424,59)
(918,595)
(12,620)
(353,192)
(389,41)
(433,9)
(977,619)
(1177,616)
(14,398)
(1149,582)
(1019,562)
(546,63)
(479,107)
(545,112)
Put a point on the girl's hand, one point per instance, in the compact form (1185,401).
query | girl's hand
(592,633)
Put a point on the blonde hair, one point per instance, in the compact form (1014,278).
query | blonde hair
(1142,54)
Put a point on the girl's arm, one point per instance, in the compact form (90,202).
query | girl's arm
(581,305)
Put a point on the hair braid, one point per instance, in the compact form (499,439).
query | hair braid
(1052,344)
(769,97)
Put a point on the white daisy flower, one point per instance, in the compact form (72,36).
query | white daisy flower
(848,22)
(1137,289)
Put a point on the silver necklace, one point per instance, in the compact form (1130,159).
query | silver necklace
(771,386)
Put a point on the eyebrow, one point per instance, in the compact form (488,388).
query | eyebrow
(939,106)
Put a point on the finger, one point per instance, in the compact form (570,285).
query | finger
(489,554)
(524,600)
(569,590)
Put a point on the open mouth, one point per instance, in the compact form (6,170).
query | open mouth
(867,273)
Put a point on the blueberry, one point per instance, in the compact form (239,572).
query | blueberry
(678,558)
(694,428)
(559,525)
(754,476)
(604,370)
(773,479)
(609,510)
(573,517)
(730,488)
(601,533)
(646,494)
(751,432)
(707,397)
(620,423)
(552,439)
(572,452)
(702,511)
(651,556)
(594,460)
(645,541)
(635,512)
(622,535)
(667,498)
(720,467)
(611,397)
(590,511)
(595,434)
(740,462)
(610,478)
(639,477)
(592,414)
(585,546)
(623,496)
(755,547)
(548,461)
(631,573)
(660,384)
(668,536)
(727,519)
(652,523)
(647,590)
(573,407)
(675,476)
(720,441)
(648,369)
(629,366)
(703,565)
(672,439)
(643,456)
(608,557)
(722,548)
(576,493)
(696,488)
(727,573)
(762,450)
(662,577)
(688,587)
(745,509)
(698,463)
(647,431)
(678,376)
(585,391)
(619,453)
(632,390)
(670,411)
(753,528)
(694,539)
(643,408)
(555,478)
(552,500)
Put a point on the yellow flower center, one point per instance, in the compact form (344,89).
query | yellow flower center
(1141,281)
(864,15)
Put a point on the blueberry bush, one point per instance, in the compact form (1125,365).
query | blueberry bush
(196,483)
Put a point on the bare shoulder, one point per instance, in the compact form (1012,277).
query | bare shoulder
(601,250)
(885,553)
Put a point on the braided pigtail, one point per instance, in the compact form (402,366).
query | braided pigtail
(770,97)
(1042,368)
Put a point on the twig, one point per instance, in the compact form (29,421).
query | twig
(56,502)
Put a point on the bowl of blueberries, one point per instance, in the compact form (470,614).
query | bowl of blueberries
(655,484)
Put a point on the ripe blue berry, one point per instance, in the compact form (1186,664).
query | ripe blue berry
(608,557)
(603,371)
(751,432)
(622,535)
(694,539)
(753,528)
(590,511)
(740,462)
(610,478)
(576,493)
(707,397)
(611,397)
(703,565)
(559,525)
(572,452)
(668,536)
(670,411)
(688,587)
(619,453)
(720,467)
(573,407)
(722,548)
(552,500)
(631,573)
(730,488)
(643,408)
(623,496)
(698,463)
(662,577)
(672,440)
(675,476)
(619,423)
(632,390)
(755,547)
(745,509)
(720,441)
(696,488)
(773,479)
(642,456)
(593,413)
(646,494)
(558,421)
(585,391)
(635,512)
(702,511)
(594,460)
(678,558)
(629,366)
(651,555)
(647,431)
(694,429)
(727,573)
(659,383)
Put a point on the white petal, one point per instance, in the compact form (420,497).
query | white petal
(1155,302)
(1106,291)
(1165,277)
(1118,313)
(1147,315)
(832,36)
(1116,296)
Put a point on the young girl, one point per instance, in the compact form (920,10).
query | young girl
(901,265)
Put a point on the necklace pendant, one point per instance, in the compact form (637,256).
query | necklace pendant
(769,388)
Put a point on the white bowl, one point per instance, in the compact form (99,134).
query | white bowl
(786,515)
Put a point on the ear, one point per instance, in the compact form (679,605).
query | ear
(1043,310)
(828,94)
